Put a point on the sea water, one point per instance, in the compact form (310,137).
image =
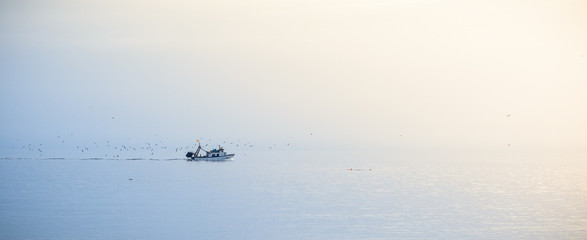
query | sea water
(290,195)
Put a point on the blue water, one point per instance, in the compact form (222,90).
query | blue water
(290,195)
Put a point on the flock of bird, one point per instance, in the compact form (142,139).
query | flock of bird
(113,150)
(110,149)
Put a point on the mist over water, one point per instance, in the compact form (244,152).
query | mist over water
(349,119)
(290,195)
(407,74)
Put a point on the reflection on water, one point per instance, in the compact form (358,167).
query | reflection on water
(288,195)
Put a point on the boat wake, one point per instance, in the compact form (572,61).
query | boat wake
(94,159)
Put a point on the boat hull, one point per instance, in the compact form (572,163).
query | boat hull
(220,158)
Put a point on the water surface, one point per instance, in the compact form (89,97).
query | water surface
(290,195)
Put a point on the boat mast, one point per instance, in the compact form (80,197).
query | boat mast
(198,150)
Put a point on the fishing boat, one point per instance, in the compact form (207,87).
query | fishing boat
(212,155)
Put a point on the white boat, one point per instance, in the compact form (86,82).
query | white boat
(212,155)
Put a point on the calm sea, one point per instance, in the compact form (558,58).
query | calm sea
(290,195)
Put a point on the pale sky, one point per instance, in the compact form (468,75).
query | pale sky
(421,74)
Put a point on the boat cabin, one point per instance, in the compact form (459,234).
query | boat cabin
(216,153)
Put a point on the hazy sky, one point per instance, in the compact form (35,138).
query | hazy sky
(411,74)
